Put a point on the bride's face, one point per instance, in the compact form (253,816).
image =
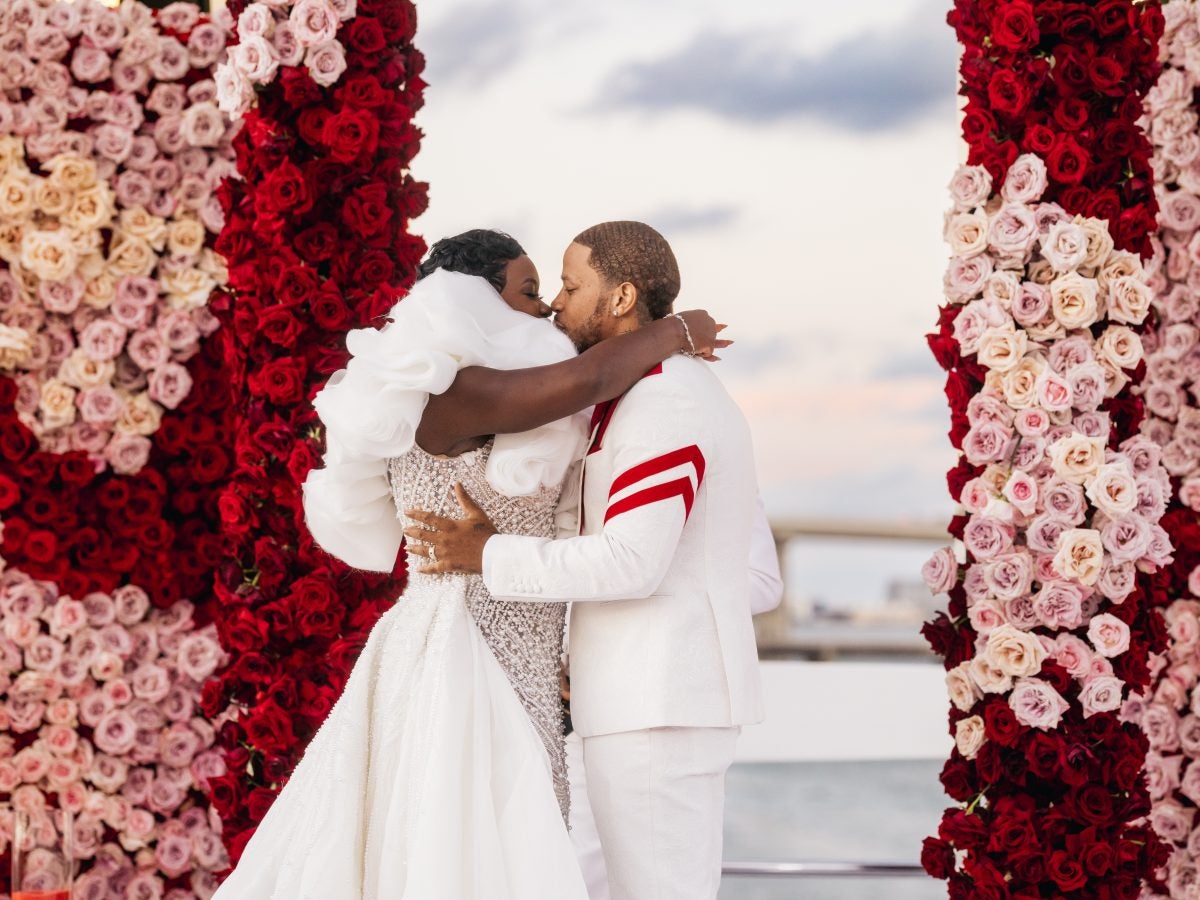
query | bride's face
(521,287)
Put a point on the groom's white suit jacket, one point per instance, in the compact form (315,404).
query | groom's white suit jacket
(670,504)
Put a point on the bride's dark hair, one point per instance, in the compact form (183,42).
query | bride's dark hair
(481,252)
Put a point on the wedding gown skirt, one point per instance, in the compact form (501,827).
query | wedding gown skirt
(427,781)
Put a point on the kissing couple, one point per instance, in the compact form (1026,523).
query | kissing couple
(595,463)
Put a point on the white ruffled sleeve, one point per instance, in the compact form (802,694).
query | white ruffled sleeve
(371,410)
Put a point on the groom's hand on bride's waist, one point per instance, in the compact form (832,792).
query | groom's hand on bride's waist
(450,545)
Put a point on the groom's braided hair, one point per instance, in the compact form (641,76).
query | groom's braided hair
(635,252)
(481,251)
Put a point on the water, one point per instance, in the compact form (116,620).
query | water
(871,811)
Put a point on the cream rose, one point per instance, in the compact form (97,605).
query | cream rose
(970,187)
(1113,489)
(969,735)
(1074,300)
(1080,555)
(1002,348)
(1076,458)
(1120,346)
(966,233)
(50,255)
(136,221)
(52,198)
(1099,242)
(961,687)
(16,194)
(989,678)
(185,237)
(1064,246)
(130,255)
(1129,300)
(141,416)
(1015,652)
(57,404)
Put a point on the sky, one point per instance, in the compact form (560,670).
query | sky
(796,156)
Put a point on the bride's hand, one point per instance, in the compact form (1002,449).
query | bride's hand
(703,330)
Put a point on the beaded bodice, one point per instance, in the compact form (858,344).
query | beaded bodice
(526,638)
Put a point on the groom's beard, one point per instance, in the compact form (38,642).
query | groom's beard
(590,333)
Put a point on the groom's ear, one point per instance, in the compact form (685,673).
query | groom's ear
(624,300)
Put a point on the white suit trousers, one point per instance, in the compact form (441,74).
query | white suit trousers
(658,797)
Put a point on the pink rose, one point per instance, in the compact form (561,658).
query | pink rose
(165,796)
(131,604)
(133,189)
(1100,693)
(1059,604)
(1025,181)
(1044,532)
(115,732)
(168,134)
(1031,304)
(1093,424)
(1126,537)
(90,65)
(970,187)
(1037,704)
(169,384)
(313,22)
(1087,385)
(986,615)
(178,330)
(179,703)
(113,142)
(179,746)
(1021,491)
(1070,352)
(987,442)
(288,50)
(1013,231)
(174,855)
(254,59)
(1049,214)
(986,537)
(179,16)
(103,339)
(1172,821)
(965,278)
(170,63)
(127,453)
(1073,655)
(1009,575)
(326,62)
(205,44)
(1109,635)
(199,655)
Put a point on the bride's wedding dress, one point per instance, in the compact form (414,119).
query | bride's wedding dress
(440,771)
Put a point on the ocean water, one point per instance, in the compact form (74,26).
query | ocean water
(867,811)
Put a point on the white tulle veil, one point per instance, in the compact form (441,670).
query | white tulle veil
(371,409)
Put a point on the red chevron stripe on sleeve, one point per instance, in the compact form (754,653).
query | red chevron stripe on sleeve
(660,464)
(680,487)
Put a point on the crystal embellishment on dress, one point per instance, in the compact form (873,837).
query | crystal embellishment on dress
(525,638)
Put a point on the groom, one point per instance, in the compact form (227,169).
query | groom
(664,668)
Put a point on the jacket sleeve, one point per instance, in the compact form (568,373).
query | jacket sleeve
(659,465)
(766,582)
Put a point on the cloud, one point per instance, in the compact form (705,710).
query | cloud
(477,42)
(749,357)
(676,220)
(919,364)
(872,82)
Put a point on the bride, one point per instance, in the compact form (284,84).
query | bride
(440,773)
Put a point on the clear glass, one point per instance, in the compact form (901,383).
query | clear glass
(42,855)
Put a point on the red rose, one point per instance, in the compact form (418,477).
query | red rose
(283,190)
(311,124)
(375,267)
(16,441)
(329,310)
(366,36)
(363,91)
(1107,75)
(296,284)
(1014,27)
(281,325)
(242,631)
(259,801)
(225,792)
(299,89)
(281,381)
(351,134)
(937,858)
(317,243)
(1008,93)
(269,728)
(1114,16)
(966,831)
(1067,162)
(367,211)
(1000,723)
(959,779)
(1066,871)
(236,516)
